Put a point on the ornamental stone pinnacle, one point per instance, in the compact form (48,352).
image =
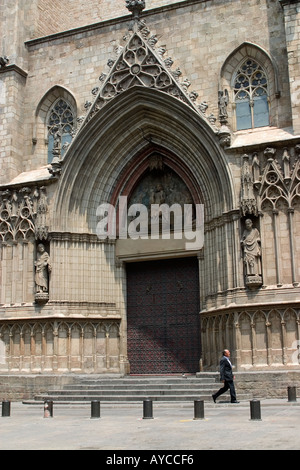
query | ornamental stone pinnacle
(136,7)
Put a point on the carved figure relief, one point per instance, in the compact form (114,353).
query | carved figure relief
(42,270)
(161,185)
(252,254)
(271,186)
(223,102)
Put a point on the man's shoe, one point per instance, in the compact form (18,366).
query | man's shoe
(235,401)
(214,398)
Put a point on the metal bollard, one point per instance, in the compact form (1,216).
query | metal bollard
(198,409)
(48,409)
(5,408)
(292,396)
(95,409)
(255,410)
(147,409)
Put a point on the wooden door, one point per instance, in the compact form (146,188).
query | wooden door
(163,316)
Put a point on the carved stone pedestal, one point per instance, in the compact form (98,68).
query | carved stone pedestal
(41,297)
(253,281)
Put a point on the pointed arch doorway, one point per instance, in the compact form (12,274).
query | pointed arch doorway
(163,316)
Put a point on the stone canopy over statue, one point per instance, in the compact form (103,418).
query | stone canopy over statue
(252,255)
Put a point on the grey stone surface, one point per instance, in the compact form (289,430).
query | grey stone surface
(173,428)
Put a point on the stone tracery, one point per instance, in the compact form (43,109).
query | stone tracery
(139,65)
(23,214)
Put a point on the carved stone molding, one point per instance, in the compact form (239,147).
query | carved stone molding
(263,326)
(79,237)
(23,214)
(270,181)
(280,183)
(248,200)
(139,63)
(48,345)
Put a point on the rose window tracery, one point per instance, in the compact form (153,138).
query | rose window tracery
(136,66)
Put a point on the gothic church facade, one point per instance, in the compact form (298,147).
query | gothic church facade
(179,103)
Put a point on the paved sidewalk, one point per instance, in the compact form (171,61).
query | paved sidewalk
(121,427)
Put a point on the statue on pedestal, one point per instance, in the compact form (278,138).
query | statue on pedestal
(42,269)
(252,255)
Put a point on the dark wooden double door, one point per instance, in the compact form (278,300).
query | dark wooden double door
(163,316)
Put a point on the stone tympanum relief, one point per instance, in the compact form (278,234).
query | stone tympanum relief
(161,191)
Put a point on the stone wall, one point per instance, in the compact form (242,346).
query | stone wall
(12,86)
(261,338)
(77,59)
(267,384)
(253,174)
(256,385)
(61,345)
(292,28)
(56,17)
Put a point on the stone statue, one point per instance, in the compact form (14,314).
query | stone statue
(252,254)
(42,268)
(223,102)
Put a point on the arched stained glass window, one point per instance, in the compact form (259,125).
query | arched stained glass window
(60,126)
(251,96)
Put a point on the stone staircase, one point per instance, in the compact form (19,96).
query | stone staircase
(133,389)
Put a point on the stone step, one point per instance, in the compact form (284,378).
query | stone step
(122,398)
(132,398)
(179,388)
(137,392)
(126,387)
(145,379)
(130,383)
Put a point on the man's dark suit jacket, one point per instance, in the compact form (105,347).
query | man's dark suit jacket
(225,369)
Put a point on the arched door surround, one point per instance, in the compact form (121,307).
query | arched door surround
(102,157)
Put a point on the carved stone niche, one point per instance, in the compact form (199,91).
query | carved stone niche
(251,247)
(42,273)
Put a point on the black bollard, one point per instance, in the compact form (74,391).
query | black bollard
(198,409)
(147,409)
(95,409)
(255,410)
(5,408)
(292,394)
(48,409)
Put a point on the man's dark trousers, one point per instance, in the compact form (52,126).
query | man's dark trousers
(226,376)
(228,384)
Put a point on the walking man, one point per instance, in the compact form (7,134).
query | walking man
(226,377)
